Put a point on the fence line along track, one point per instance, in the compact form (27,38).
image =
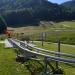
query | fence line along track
(24,48)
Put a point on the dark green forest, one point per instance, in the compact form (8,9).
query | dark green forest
(3,26)
(30,12)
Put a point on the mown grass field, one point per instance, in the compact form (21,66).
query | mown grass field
(64,31)
(53,36)
(8,64)
(45,27)
(68,24)
(54,46)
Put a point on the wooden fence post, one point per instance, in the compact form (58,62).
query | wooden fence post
(57,63)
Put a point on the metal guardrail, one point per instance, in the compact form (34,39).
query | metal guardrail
(55,58)
(48,51)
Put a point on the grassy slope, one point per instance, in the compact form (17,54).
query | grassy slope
(69,70)
(45,27)
(8,65)
(60,30)
(70,24)
(29,29)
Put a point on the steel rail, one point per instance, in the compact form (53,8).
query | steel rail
(25,50)
(48,51)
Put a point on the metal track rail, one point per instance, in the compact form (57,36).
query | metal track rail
(48,51)
(55,58)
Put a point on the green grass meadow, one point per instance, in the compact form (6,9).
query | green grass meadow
(8,64)
(64,31)
(68,69)
(59,31)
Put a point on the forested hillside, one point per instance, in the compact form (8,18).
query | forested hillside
(3,26)
(70,5)
(31,12)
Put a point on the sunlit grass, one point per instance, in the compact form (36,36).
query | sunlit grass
(44,27)
(8,64)
(69,70)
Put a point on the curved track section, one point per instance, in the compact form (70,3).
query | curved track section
(25,49)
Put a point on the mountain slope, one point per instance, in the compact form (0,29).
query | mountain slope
(3,26)
(70,5)
(21,12)
(6,5)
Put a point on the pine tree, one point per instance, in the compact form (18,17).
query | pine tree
(3,25)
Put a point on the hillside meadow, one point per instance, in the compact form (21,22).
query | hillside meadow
(63,31)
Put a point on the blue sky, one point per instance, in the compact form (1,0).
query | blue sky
(58,1)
